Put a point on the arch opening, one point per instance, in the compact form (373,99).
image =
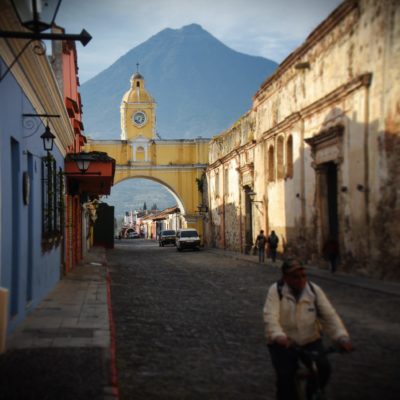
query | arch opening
(153,196)
(157,192)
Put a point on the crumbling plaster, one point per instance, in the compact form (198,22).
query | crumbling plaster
(344,78)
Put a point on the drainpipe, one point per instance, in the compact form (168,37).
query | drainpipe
(210,227)
(223,208)
(302,178)
(240,202)
(264,149)
(368,79)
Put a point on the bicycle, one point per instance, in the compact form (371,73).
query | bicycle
(307,375)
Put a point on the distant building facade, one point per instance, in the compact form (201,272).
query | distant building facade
(317,156)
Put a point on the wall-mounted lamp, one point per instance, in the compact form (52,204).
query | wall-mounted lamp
(48,139)
(82,161)
(47,136)
(252,196)
(83,165)
(38,16)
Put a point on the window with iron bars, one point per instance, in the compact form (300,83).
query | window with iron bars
(52,203)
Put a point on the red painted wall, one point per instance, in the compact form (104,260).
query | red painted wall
(73,228)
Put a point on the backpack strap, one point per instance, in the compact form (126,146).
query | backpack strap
(279,287)
(316,298)
(312,289)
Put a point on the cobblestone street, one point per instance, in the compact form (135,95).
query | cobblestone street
(189,326)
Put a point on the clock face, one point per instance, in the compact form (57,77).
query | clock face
(139,118)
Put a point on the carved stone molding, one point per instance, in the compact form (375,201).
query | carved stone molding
(246,174)
(326,146)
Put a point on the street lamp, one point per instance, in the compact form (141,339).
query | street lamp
(47,136)
(82,161)
(83,164)
(48,142)
(38,16)
(48,139)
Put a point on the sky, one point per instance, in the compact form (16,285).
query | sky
(267,28)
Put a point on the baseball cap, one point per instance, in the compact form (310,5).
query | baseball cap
(291,265)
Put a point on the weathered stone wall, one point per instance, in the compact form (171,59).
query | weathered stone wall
(339,77)
(328,120)
(231,159)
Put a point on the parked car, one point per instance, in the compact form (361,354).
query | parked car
(133,235)
(167,237)
(187,239)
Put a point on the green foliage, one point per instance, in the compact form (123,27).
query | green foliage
(199,183)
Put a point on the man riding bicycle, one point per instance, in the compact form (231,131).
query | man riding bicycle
(296,312)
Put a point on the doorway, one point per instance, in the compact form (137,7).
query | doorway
(328,189)
(15,227)
(248,225)
(332,194)
(30,229)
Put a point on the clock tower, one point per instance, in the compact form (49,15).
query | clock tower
(138,118)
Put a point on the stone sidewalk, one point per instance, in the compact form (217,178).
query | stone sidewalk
(74,314)
(62,349)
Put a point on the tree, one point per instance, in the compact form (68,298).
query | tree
(144,206)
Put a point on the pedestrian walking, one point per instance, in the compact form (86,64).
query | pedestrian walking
(261,241)
(273,241)
(296,312)
(331,252)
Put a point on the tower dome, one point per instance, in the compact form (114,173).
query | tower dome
(137,111)
(137,92)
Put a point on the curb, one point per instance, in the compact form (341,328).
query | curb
(113,393)
(386,287)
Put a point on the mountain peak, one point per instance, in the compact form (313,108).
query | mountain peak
(193,77)
(192,28)
(187,30)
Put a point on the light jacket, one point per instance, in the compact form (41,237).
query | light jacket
(301,320)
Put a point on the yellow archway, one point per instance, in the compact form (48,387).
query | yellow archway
(176,164)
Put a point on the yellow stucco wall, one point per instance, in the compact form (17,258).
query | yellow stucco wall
(176,164)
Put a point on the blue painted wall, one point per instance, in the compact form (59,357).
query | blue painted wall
(28,272)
